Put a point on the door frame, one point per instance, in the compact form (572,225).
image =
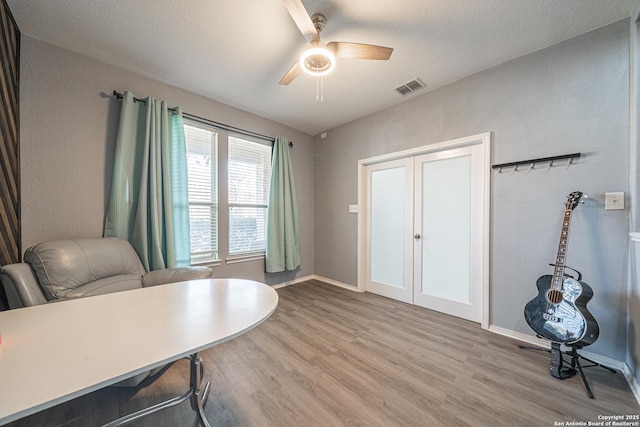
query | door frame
(483,139)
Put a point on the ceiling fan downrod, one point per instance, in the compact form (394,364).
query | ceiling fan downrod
(319,21)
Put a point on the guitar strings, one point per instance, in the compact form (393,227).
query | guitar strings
(564,236)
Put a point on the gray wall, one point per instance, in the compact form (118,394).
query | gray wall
(572,97)
(68,128)
(567,98)
(633,356)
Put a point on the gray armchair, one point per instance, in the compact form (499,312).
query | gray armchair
(67,269)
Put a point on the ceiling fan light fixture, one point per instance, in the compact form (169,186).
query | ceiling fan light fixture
(317,61)
(320,59)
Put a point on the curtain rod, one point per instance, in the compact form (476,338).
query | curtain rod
(245,132)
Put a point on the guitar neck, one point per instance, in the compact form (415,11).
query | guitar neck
(558,272)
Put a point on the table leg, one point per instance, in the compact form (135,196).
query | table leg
(197,394)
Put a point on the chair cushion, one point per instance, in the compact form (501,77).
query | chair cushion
(83,267)
(176,274)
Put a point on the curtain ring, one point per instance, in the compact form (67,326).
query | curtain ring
(500,169)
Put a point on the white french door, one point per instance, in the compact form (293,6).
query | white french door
(448,220)
(390,217)
(424,224)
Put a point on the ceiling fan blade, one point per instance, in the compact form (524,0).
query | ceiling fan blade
(360,50)
(301,18)
(293,72)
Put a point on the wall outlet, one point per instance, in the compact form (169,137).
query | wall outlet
(353,208)
(614,201)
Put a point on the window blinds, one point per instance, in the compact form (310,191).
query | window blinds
(249,172)
(202,165)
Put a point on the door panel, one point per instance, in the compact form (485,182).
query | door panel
(446,217)
(390,213)
(446,220)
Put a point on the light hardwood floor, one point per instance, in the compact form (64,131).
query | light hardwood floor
(332,357)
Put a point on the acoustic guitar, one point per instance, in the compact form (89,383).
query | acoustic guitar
(559,312)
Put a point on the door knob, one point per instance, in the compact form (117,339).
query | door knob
(417,237)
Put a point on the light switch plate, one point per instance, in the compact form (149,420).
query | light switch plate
(353,208)
(614,201)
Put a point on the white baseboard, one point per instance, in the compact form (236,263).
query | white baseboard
(336,283)
(633,384)
(519,336)
(293,282)
(316,277)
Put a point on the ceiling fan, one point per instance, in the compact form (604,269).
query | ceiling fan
(320,59)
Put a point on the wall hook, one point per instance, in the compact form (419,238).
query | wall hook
(532,162)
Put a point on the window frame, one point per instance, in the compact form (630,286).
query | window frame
(223,205)
(234,257)
(214,259)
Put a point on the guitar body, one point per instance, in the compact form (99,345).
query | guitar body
(567,321)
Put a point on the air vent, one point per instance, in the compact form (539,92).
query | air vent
(410,87)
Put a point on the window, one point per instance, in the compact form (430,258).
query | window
(202,168)
(249,169)
(244,193)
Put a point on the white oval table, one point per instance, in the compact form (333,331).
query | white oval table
(55,352)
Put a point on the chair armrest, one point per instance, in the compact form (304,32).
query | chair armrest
(171,275)
(21,286)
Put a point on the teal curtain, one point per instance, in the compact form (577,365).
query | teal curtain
(148,203)
(283,231)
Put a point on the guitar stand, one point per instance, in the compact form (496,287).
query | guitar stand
(574,366)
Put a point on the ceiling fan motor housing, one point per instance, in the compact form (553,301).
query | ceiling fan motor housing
(319,21)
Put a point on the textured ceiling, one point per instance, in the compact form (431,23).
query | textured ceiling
(236,51)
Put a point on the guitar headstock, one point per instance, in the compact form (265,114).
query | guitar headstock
(573,199)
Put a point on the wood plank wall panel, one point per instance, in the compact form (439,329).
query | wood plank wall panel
(10,247)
